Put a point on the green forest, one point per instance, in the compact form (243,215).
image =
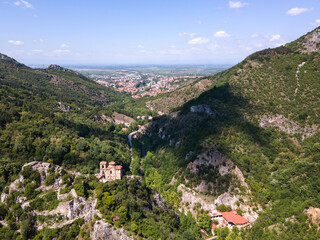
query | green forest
(54,116)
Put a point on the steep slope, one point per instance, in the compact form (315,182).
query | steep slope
(50,125)
(261,116)
(50,203)
(51,115)
(55,83)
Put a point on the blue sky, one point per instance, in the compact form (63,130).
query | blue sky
(149,31)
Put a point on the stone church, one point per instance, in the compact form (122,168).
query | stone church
(110,172)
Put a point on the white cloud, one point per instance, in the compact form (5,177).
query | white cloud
(316,22)
(297,11)
(275,38)
(172,46)
(186,34)
(221,34)
(63,45)
(259,45)
(199,40)
(182,34)
(255,35)
(23,3)
(199,22)
(237,4)
(41,40)
(140,46)
(15,42)
(37,51)
(61,51)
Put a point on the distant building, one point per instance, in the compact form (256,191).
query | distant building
(227,219)
(233,218)
(110,172)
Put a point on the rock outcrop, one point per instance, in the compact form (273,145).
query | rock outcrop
(59,68)
(74,209)
(311,41)
(105,231)
(286,125)
(191,199)
(63,107)
(118,118)
(203,109)
(212,157)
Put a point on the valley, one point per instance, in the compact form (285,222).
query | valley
(148,81)
(233,155)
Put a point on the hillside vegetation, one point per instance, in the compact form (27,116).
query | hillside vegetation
(51,115)
(51,122)
(245,139)
(263,115)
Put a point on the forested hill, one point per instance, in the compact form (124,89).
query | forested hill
(49,122)
(55,83)
(283,80)
(53,115)
(263,115)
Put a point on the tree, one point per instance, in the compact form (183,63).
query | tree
(123,214)
(134,227)
(233,236)
(3,211)
(204,222)
(109,201)
(224,208)
(25,229)
(222,233)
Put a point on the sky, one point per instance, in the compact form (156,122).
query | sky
(111,32)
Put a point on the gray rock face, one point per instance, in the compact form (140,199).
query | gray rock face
(214,158)
(118,118)
(3,197)
(63,107)
(105,231)
(286,125)
(311,41)
(59,68)
(4,57)
(159,201)
(203,109)
(227,199)
(75,208)
(43,169)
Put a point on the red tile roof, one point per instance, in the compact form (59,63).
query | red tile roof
(213,226)
(232,216)
(118,167)
(115,218)
(103,162)
(112,163)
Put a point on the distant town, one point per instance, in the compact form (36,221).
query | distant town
(148,81)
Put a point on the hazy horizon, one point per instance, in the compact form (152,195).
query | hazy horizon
(142,32)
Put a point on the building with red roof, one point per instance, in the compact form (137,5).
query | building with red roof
(233,218)
(115,218)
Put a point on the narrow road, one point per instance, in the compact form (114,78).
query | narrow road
(143,147)
(130,145)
